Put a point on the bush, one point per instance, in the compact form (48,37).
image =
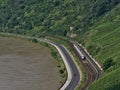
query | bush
(54,54)
(34,40)
(108,63)
(61,71)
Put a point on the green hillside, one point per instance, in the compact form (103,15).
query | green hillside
(110,81)
(103,42)
(95,22)
(51,16)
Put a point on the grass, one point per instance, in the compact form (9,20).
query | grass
(106,35)
(109,41)
(111,82)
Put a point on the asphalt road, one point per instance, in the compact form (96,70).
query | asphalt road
(93,72)
(90,67)
(75,72)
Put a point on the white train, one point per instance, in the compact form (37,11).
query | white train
(80,53)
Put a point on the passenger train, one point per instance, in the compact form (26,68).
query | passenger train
(80,53)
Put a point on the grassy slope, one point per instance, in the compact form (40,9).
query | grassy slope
(106,35)
(110,81)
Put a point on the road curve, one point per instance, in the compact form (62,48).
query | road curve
(75,73)
(92,69)
(73,76)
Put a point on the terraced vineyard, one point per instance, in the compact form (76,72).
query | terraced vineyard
(103,42)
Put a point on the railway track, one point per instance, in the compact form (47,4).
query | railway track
(92,70)
(90,75)
(89,71)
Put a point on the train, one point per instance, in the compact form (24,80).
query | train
(80,53)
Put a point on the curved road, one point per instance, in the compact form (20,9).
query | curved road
(75,72)
(93,72)
(92,69)
(70,83)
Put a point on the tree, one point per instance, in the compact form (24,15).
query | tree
(108,63)
(35,40)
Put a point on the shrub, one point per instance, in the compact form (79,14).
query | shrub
(108,63)
(35,40)
(54,54)
(61,71)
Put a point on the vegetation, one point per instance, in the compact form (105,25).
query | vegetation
(103,42)
(108,63)
(110,81)
(34,40)
(51,17)
(96,23)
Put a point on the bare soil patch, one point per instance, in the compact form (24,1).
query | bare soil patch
(27,66)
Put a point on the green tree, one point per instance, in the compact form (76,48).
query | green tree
(35,40)
(108,63)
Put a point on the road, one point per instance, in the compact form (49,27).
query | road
(75,72)
(73,76)
(92,70)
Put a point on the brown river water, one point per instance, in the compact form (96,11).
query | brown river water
(27,66)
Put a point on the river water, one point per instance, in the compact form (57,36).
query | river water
(27,66)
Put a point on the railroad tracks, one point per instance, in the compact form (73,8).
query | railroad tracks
(92,70)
